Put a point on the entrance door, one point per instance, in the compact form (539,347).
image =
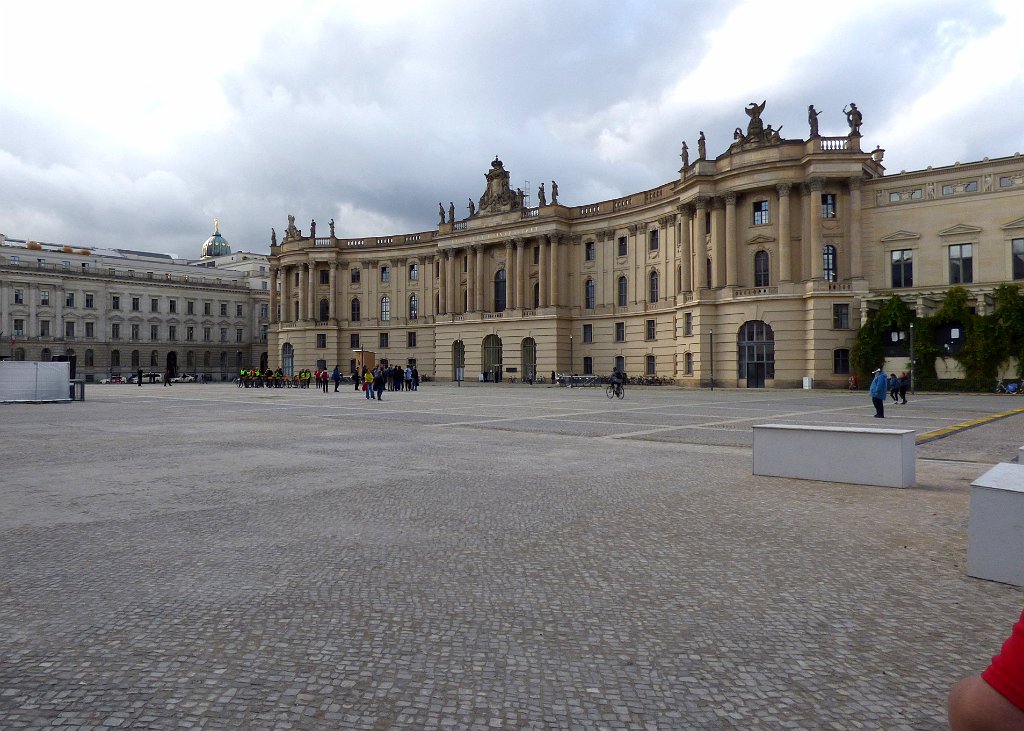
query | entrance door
(287,359)
(529,359)
(172,363)
(458,360)
(492,357)
(755,375)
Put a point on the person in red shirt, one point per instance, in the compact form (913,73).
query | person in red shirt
(994,700)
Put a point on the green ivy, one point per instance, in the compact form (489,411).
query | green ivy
(868,349)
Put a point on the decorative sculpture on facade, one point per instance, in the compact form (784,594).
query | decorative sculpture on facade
(554,193)
(312,229)
(812,120)
(440,212)
(755,127)
(273,237)
(757,132)
(451,212)
(702,147)
(499,197)
(331,224)
(291,233)
(685,155)
(541,198)
(853,118)
(472,208)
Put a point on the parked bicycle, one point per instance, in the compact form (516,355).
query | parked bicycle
(1014,389)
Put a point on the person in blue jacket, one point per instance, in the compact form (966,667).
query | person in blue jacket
(878,392)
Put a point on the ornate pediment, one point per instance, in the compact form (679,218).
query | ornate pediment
(961,229)
(499,196)
(1017,223)
(900,235)
(761,239)
(758,134)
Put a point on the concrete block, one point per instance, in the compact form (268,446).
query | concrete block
(995,531)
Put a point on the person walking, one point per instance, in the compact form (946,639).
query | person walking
(877,391)
(894,387)
(368,383)
(336,377)
(904,385)
(378,383)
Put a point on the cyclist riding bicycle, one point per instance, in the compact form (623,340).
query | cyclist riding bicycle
(618,380)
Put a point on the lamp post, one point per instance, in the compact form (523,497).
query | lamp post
(712,333)
(911,358)
(572,360)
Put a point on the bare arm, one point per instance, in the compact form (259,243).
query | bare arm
(975,706)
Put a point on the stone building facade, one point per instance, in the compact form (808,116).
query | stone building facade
(755,268)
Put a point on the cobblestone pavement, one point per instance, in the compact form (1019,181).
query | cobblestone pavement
(480,558)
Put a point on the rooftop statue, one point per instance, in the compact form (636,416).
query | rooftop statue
(451,212)
(273,237)
(499,196)
(702,147)
(440,212)
(554,193)
(541,198)
(331,224)
(755,127)
(812,120)
(853,118)
(685,155)
(472,208)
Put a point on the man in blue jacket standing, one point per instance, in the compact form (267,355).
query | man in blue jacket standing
(878,391)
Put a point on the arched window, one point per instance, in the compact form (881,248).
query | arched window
(756,345)
(414,307)
(652,288)
(115,358)
(45,355)
(589,294)
(829,263)
(649,365)
(385,308)
(499,291)
(623,291)
(154,359)
(135,359)
(19,354)
(688,363)
(355,309)
(325,309)
(761,269)
(89,358)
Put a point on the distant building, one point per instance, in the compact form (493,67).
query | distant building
(119,310)
(761,264)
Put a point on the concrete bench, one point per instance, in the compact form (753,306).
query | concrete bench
(995,531)
(835,454)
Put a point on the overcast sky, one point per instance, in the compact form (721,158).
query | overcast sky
(133,125)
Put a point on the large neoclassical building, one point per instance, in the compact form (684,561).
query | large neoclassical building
(755,268)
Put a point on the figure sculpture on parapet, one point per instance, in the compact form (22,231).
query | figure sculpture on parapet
(273,237)
(685,155)
(702,147)
(440,212)
(451,212)
(312,228)
(554,193)
(755,127)
(472,208)
(541,197)
(331,224)
(812,120)
(292,233)
(853,118)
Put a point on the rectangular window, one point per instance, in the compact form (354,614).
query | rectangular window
(840,317)
(154,304)
(264,311)
(190,308)
(223,309)
(589,251)
(588,333)
(410,340)
(385,274)
(172,306)
(382,340)
(414,272)
(65,265)
(190,333)
(325,276)
(902,268)
(649,330)
(136,304)
(238,310)
(652,238)
(44,297)
(238,334)
(353,340)
(90,330)
(19,327)
(620,332)
(172,332)
(154,332)
(961,264)
(536,255)
(89,301)
(135,331)
(69,329)
(206,308)
(354,274)
(69,299)
(115,331)
(19,296)
(207,335)
(1017,255)
(828,205)
(321,340)
(688,323)
(841,362)
(223,334)
(588,365)
(623,246)
(761,213)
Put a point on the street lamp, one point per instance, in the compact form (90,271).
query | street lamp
(712,333)
(911,358)
(572,360)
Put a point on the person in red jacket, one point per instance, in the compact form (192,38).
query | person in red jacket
(994,700)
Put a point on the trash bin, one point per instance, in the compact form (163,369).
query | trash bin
(808,383)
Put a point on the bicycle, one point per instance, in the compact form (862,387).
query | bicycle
(615,389)
(1014,389)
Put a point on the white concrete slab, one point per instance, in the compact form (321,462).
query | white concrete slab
(995,531)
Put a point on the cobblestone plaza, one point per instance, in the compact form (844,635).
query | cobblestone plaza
(484,557)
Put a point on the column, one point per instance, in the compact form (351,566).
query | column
(522,300)
(686,256)
(427,287)
(785,264)
(637,255)
(700,244)
(854,244)
(442,284)
(731,253)
(510,279)
(542,272)
(814,213)
(470,279)
(274,297)
(553,240)
(481,278)
(451,283)
(332,307)
(300,292)
(344,279)
(717,242)
(311,293)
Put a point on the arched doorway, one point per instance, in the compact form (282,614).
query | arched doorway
(45,355)
(491,357)
(263,361)
(756,343)
(172,363)
(458,360)
(528,353)
(287,359)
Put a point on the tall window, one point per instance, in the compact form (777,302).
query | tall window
(355,309)
(353,340)
(688,323)
(588,365)
(620,332)
(652,287)
(354,274)
(325,278)
(841,316)
(69,299)
(589,251)
(589,295)
(623,291)
(325,309)
(652,239)
(841,362)
(761,269)
(961,266)
(385,274)
(649,365)
(829,263)
(382,340)
(499,291)
(761,213)
(902,268)
(688,363)
(115,358)
(623,246)
(414,307)
(650,329)
(620,363)
(1017,254)
(414,272)
(828,205)
(588,333)
(385,308)
(536,295)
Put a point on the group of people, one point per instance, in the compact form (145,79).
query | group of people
(894,386)
(386,378)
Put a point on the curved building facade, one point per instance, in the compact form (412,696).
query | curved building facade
(755,268)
